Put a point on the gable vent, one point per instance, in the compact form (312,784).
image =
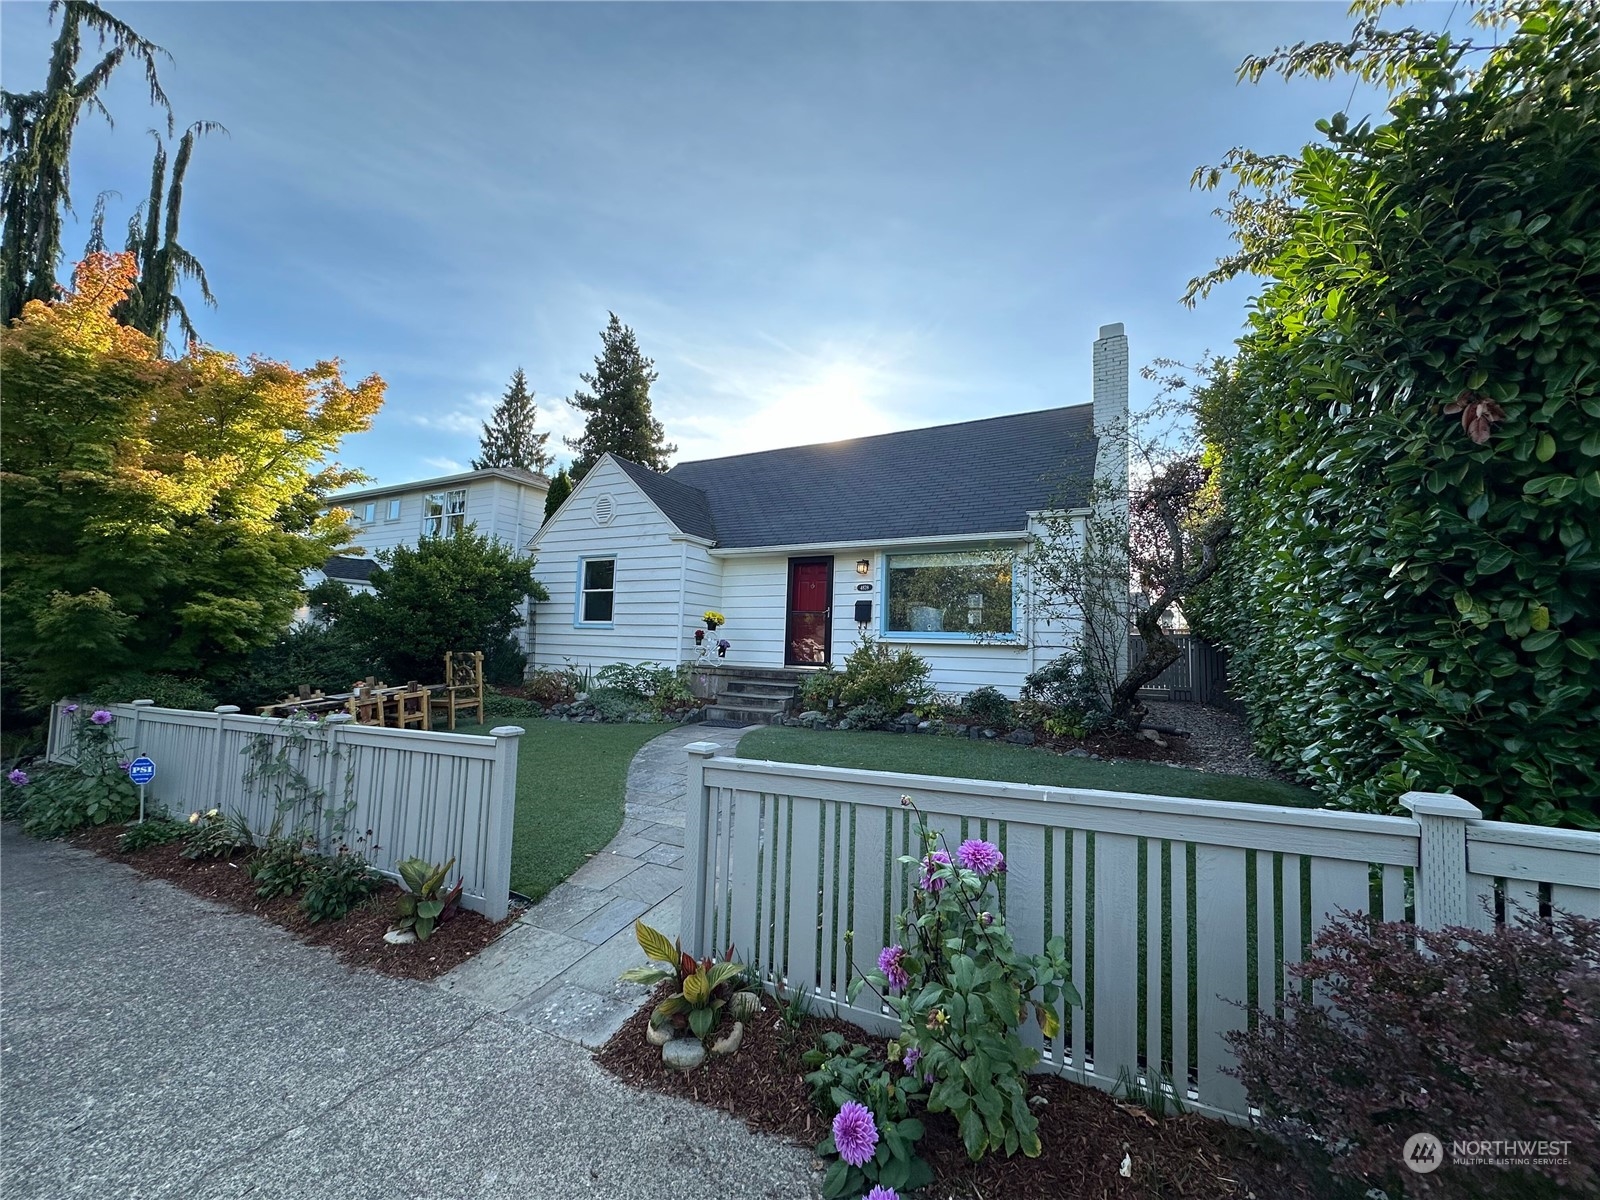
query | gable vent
(604,509)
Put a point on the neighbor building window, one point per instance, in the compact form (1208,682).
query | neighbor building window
(369,513)
(597,583)
(394,511)
(444,513)
(960,592)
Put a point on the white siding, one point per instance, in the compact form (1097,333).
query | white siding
(506,511)
(649,622)
(755,600)
(664,583)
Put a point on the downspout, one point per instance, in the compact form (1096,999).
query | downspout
(683,595)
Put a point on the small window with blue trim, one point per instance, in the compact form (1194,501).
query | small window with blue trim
(597,591)
(961,592)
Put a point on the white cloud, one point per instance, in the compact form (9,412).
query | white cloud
(467,417)
(448,465)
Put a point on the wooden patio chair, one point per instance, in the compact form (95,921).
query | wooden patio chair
(409,709)
(367,708)
(462,690)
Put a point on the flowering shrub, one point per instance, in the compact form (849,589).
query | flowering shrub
(1463,1033)
(962,991)
(212,835)
(874,1136)
(91,791)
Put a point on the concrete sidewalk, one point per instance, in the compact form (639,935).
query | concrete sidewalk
(557,968)
(154,1045)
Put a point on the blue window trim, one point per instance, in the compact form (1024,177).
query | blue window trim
(1004,640)
(577,604)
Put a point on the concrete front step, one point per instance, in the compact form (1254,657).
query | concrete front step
(752,688)
(766,704)
(717,713)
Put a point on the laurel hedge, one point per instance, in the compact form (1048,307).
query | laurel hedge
(1410,443)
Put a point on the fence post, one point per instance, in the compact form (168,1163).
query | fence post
(502,821)
(1441,887)
(137,705)
(223,711)
(695,837)
(330,774)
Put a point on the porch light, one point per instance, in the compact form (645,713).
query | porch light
(863,566)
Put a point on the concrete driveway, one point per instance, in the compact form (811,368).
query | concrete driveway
(154,1045)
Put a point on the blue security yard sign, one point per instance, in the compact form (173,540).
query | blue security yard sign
(141,770)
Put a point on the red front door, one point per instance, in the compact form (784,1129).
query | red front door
(808,641)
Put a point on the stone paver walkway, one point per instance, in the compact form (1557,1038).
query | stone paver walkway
(557,968)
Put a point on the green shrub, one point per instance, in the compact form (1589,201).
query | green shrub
(546,688)
(213,835)
(155,831)
(870,715)
(497,704)
(337,883)
(168,691)
(1408,440)
(324,658)
(892,679)
(659,688)
(282,866)
(611,704)
(1063,698)
(504,664)
(822,690)
(987,706)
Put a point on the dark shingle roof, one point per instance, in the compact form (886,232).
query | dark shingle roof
(973,477)
(684,506)
(355,570)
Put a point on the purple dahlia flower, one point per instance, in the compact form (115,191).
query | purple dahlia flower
(102,717)
(71,708)
(855,1133)
(912,1057)
(889,964)
(930,864)
(980,856)
(883,1193)
(18,777)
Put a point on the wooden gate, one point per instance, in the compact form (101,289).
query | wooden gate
(1199,676)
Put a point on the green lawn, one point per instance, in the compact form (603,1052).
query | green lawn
(570,783)
(967,759)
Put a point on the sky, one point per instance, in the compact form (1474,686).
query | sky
(821,220)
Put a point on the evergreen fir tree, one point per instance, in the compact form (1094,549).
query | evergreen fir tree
(560,489)
(36,143)
(509,438)
(153,241)
(617,406)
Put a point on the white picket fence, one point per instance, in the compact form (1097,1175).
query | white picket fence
(427,795)
(1172,910)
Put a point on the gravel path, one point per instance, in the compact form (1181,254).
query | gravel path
(1218,740)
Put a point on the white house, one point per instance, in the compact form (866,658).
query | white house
(505,503)
(801,549)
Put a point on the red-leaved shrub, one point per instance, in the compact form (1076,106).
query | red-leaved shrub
(1469,1035)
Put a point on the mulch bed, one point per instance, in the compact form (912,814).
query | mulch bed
(1085,1132)
(357,939)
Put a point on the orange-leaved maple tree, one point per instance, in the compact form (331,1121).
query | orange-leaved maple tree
(158,512)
